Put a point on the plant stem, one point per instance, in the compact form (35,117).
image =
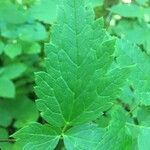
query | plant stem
(7,140)
(133,109)
(64,128)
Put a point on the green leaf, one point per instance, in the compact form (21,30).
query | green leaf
(84,137)
(13,71)
(44,10)
(8,9)
(116,136)
(13,50)
(143,139)
(76,86)
(112,83)
(128,10)
(34,48)
(32,32)
(36,136)
(129,54)
(7,118)
(7,88)
(11,110)
(31,47)
(142,2)
(9,31)
(28,107)
(127,30)
(97,2)
(143,116)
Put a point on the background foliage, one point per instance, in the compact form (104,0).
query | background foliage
(25,27)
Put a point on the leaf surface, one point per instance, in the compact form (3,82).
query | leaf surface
(44,10)
(143,139)
(83,137)
(76,86)
(13,50)
(13,71)
(10,110)
(116,136)
(129,54)
(129,10)
(7,88)
(37,136)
